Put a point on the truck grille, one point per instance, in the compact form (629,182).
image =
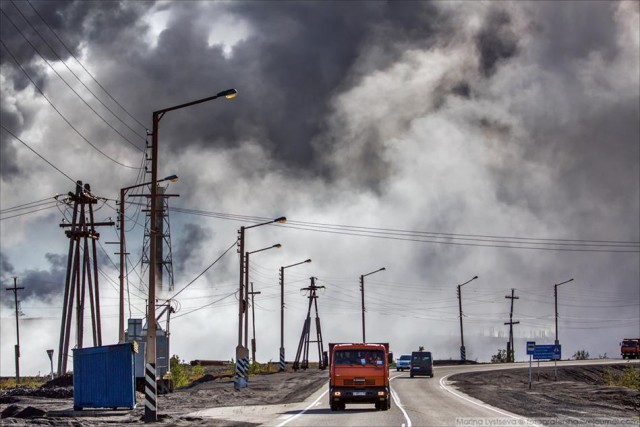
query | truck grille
(360,381)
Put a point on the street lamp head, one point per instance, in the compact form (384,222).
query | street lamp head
(229,93)
(308,260)
(382,269)
(172,178)
(281,220)
(474,277)
(277,246)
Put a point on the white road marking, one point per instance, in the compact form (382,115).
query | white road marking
(483,405)
(315,403)
(398,403)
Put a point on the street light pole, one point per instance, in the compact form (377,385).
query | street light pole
(362,294)
(150,404)
(242,352)
(557,342)
(555,297)
(282,360)
(246,293)
(123,191)
(463,352)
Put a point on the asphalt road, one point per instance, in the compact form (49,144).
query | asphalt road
(419,401)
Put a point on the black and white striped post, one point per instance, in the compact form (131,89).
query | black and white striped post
(242,368)
(150,393)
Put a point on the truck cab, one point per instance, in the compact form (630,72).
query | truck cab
(359,373)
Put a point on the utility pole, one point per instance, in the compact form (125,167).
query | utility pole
(463,351)
(15,290)
(510,350)
(303,346)
(82,273)
(253,317)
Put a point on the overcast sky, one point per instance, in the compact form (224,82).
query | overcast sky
(441,140)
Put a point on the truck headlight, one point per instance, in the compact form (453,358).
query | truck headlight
(337,394)
(381,393)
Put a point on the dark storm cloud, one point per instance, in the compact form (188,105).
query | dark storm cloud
(496,41)
(297,57)
(44,285)
(188,247)
(5,265)
(575,30)
(30,31)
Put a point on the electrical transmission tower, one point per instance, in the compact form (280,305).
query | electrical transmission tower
(163,258)
(510,350)
(82,273)
(303,347)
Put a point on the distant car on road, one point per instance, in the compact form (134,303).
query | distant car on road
(421,364)
(404,362)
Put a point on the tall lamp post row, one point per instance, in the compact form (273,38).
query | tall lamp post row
(242,352)
(150,404)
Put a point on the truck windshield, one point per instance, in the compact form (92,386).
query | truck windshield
(359,357)
(629,343)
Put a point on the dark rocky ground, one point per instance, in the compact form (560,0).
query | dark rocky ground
(577,391)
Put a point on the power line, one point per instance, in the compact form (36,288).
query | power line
(83,67)
(35,152)
(74,74)
(58,111)
(508,242)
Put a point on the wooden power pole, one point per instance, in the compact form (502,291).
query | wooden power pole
(15,290)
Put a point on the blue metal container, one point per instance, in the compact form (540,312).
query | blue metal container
(103,377)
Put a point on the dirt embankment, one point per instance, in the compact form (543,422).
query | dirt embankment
(579,392)
(52,405)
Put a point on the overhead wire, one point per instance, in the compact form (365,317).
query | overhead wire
(83,67)
(58,111)
(508,242)
(74,74)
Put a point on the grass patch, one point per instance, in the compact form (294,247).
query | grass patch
(183,373)
(629,377)
(6,383)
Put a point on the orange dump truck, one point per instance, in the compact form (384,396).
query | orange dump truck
(630,348)
(359,374)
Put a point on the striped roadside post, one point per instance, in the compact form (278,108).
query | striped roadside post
(282,363)
(242,368)
(150,393)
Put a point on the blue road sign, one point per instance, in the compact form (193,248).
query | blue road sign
(547,352)
(531,346)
